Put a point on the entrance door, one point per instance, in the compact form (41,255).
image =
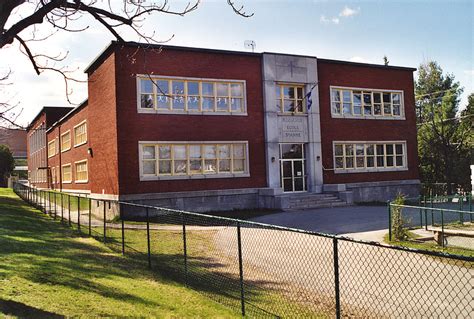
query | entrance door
(292,168)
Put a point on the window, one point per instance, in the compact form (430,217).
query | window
(369,156)
(66,173)
(53,175)
(65,141)
(290,98)
(190,95)
(347,102)
(188,159)
(81,171)
(52,148)
(80,134)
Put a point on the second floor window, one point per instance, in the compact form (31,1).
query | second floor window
(290,98)
(65,141)
(80,134)
(52,148)
(366,103)
(191,95)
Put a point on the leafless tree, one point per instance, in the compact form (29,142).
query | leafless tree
(61,15)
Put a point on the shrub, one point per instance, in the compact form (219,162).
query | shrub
(399,223)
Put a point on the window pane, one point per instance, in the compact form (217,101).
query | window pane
(339,162)
(163,102)
(399,160)
(289,106)
(239,151)
(148,152)
(178,103)
(193,103)
(146,86)
(288,92)
(195,166)
(386,98)
(390,161)
(396,98)
(396,109)
(149,167)
(347,108)
(336,108)
(165,167)
(180,167)
(377,109)
(207,103)
(387,109)
(338,149)
(360,161)
(208,88)
(179,152)
(377,98)
(346,96)
(335,96)
(164,152)
(224,165)
(236,90)
(178,87)
(349,149)
(370,161)
(236,105)
(147,101)
(222,89)
(222,104)
(299,93)
(369,149)
(239,165)
(380,149)
(193,88)
(389,149)
(380,161)
(357,97)
(224,151)
(210,166)
(209,151)
(349,162)
(162,87)
(194,151)
(399,148)
(359,149)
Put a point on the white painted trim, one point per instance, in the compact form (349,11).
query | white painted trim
(76,181)
(62,174)
(374,169)
(195,176)
(401,117)
(187,112)
(61,141)
(74,130)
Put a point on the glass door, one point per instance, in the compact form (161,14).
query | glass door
(292,168)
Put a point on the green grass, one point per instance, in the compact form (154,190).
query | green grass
(429,245)
(49,271)
(64,201)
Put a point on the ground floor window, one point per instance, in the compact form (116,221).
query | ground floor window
(66,173)
(292,167)
(193,158)
(81,171)
(369,156)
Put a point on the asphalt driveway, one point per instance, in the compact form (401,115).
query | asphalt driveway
(337,220)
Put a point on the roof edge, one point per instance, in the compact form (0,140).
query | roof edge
(392,67)
(69,114)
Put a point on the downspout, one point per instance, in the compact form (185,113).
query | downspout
(60,166)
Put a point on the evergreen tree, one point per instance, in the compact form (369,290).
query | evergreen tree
(7,163)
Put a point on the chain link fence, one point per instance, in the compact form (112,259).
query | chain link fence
(269,271)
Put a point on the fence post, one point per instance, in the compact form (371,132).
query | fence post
(105,226)
(49,203)
(420,211)
(389,221)
(432,215)
(55,206)
(461,215)
(185,251)
(69,209)
(79,213)
(470,207)
(241,270)
(123,229)
(442,228)
(90,217)
(148,237)
(336,278)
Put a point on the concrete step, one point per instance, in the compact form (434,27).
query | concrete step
(320,205)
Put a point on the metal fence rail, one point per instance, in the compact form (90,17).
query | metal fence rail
(269,271)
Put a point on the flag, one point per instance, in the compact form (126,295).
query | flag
(309,100)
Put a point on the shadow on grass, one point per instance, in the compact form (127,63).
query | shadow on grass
(20,310)
(42,255)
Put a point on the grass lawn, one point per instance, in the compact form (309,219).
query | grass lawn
(429,245)
(63,199)
(48,271)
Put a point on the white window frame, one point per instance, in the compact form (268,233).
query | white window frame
(364,116)
(52,142)
(281,98)
(366,169)
(155,110)
(85,133)
(172,176)
(61,141)
(81,181)
(62,174)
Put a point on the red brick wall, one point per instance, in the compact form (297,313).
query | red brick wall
(75,154)
(38,159)
(135,127)
(102,130)
(332,129)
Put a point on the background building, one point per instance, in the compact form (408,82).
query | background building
(201,129)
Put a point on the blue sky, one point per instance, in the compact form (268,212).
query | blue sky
(408,32)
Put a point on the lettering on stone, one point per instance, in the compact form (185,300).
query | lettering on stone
(293,129)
